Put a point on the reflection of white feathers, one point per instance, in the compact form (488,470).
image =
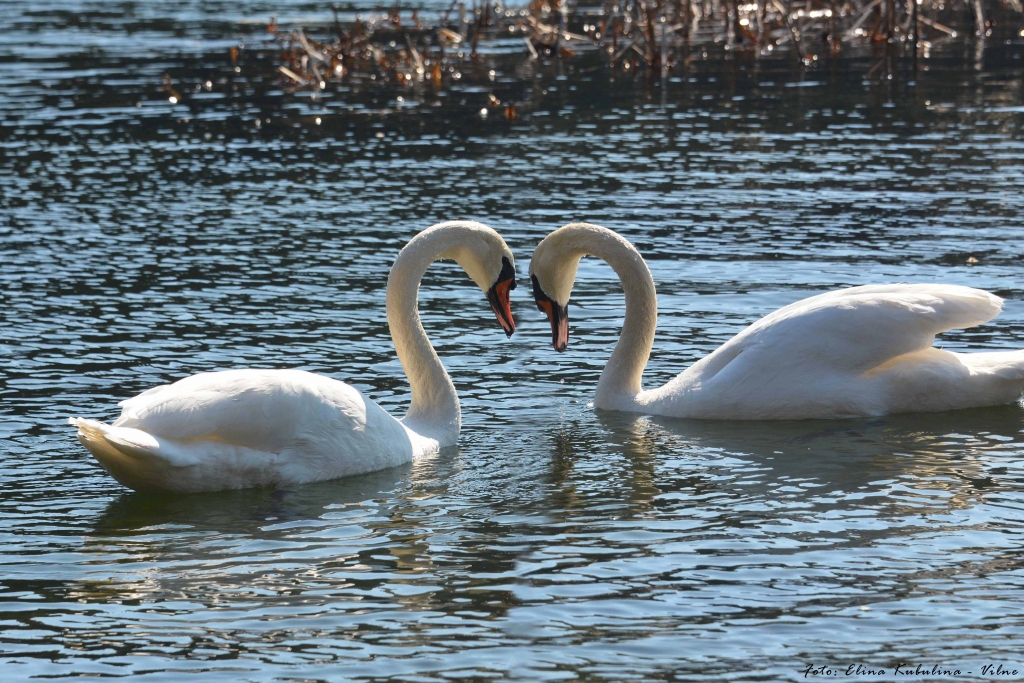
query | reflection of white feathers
(243,428)
(857,351)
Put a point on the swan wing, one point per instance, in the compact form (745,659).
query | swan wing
(264,409)
(852,330)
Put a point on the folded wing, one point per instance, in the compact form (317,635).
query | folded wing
(853,330)
(262,409)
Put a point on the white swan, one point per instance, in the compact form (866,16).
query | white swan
(243,428)
(853,352)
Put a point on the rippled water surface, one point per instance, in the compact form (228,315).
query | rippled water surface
(142,241)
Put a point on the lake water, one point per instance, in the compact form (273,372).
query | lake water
(143,241)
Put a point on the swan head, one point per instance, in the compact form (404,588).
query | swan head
(552,273)
(486,258)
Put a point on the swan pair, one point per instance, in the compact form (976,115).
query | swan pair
(853,352)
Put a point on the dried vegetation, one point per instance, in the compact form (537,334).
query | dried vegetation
(663,35)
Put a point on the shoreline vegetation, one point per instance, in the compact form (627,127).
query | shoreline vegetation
(662,36)
(491,56)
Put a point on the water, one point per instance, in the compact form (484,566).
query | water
(144,243)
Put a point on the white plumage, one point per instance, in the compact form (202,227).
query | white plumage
(853,352)
(243,428)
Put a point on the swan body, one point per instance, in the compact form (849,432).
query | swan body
(243,428)
(860,351)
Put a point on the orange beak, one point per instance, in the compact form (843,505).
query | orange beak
(500,298)
(557,315)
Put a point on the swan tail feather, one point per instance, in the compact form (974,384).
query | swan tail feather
(145,462)
(132,456)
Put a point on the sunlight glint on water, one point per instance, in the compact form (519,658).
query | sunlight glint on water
(144,243)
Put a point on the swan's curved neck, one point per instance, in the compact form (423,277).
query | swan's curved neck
(621,380)
(434,411)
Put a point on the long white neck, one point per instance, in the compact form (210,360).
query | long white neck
(621,380)
(434,411)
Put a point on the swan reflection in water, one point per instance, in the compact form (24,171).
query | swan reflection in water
(956,451)
(727,521)
(348,545)
(246,511)
(678,523)
(941,460)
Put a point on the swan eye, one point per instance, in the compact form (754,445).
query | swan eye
(508,272)
(540,297)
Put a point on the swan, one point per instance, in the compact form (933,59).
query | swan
(243,428)
(861,351)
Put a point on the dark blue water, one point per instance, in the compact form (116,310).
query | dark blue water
(142,241)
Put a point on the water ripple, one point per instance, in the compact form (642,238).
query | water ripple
(144,241)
